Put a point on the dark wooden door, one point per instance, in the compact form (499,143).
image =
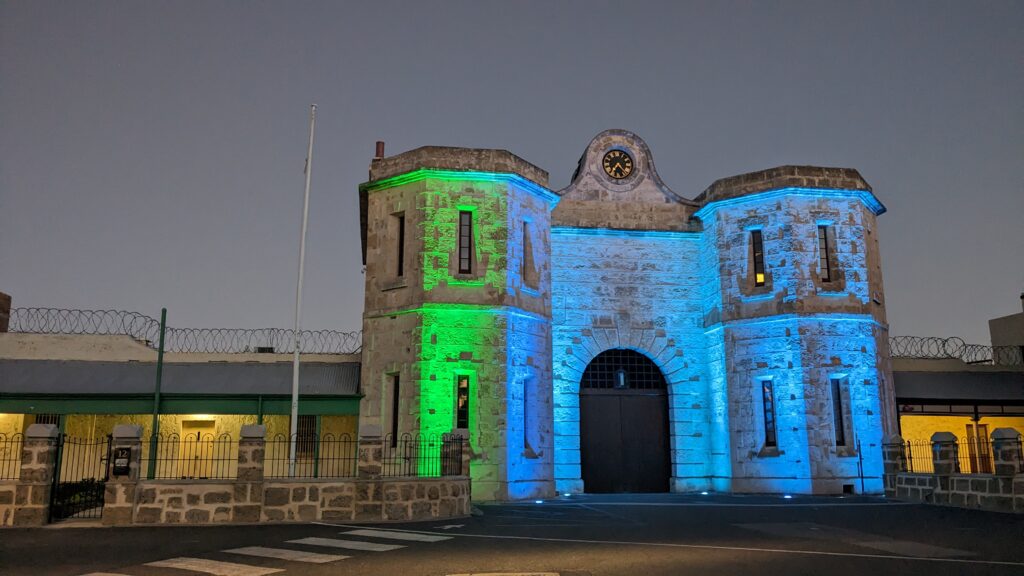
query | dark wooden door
(624,440)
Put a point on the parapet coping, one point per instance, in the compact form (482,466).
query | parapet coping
(454,175)
(864,196)
(621,232)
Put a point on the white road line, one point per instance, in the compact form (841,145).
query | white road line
(347,544)
(283,554)
(711,547)
(102,574)
(554,503)
(508,574)
(408,536)
(214,567)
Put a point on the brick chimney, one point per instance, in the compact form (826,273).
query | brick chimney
(5,311)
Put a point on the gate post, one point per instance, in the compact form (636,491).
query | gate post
(1007,450)
(38,463)
(945,463)
(248,492)
(894,462)
(371,453)
(119,495)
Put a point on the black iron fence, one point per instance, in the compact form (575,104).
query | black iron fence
(192,456)
(1020,453)
(975,456)
(79,482)
(917,457)
(931,348)
(423,456)
(199,340)
(10,456)
(326,456)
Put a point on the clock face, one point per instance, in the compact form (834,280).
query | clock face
(617,164)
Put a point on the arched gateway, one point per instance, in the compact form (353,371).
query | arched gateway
(624,436)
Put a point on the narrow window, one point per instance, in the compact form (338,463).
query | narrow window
(305,440)
(837,412)
(394,409)
(462,402)
(527,254)
(768,397)
(527,413)
(401,245)
(465,242)
(758,245)
(823,255)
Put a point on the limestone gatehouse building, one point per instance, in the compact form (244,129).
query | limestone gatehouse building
(619,336)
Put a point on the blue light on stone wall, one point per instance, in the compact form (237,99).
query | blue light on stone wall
(677,297)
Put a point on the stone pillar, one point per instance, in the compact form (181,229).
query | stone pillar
(894,462)
(1006,447)
(119,495)
(944,460)
(38,455)
(248,497)
(371,452)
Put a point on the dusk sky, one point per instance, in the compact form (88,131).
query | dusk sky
(151,153)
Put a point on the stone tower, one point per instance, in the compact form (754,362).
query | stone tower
(457,315)
(795,325)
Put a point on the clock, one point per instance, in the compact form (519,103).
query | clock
(617,164)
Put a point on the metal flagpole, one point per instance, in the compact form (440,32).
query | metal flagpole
(155,433)
(298,297)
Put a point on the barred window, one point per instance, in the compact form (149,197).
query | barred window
(465,242)
(837,411)
(462,401)
(768,404)
(823,254)
(623,369)
(305,439)
(48,419)
(758,245)
(401,245)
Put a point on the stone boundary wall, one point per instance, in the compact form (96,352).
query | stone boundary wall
(299,500)
(384,500)
(8,489)
(248,498)
(1002,491)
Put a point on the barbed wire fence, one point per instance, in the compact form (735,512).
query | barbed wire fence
(184,340)
(933,348)
(281,340)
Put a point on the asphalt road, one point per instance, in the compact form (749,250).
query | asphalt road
(581,535)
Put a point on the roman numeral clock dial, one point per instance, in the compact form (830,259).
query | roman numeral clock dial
(617,164)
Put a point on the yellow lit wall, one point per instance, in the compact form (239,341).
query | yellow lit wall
(339,426)
(277,425)
(11,424)
(921,427)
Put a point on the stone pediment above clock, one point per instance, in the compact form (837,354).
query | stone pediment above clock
(617,186)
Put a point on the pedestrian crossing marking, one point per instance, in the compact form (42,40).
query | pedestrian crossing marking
(283,554)
(388,534)
(347,544)
(214,567)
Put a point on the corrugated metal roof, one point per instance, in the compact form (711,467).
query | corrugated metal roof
(981,386)
(79,377)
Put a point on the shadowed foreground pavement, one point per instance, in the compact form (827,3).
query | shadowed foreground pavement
(649,534)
